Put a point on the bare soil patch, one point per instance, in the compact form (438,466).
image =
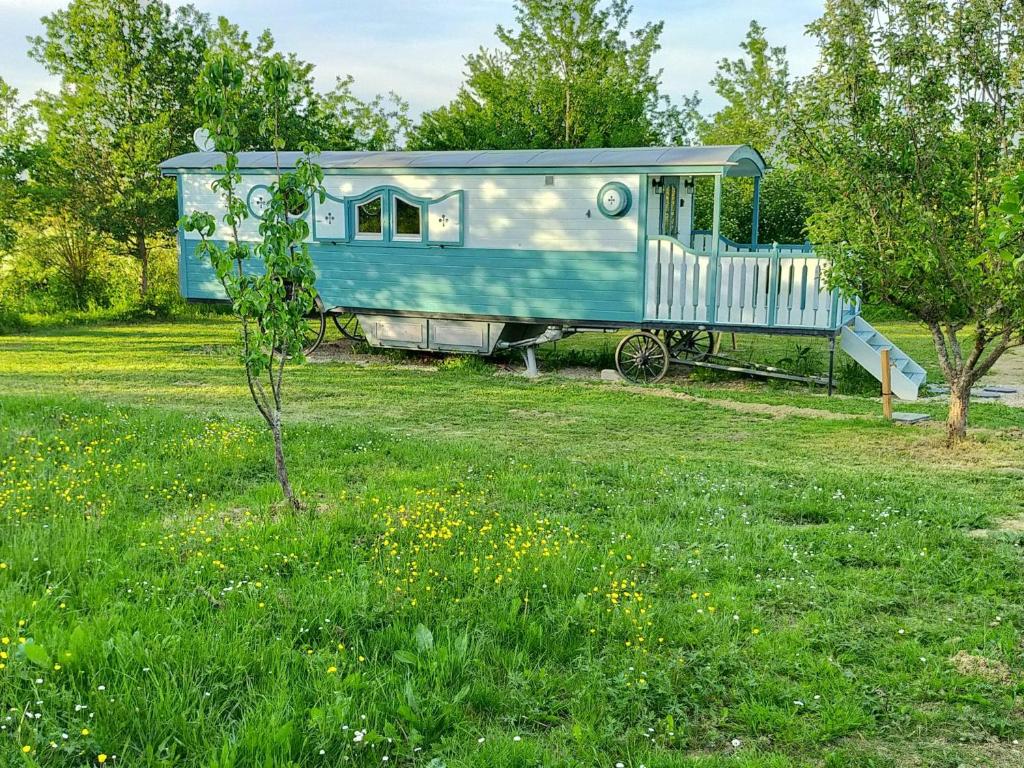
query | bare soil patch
(345,351)
(1009,371)
(1010,525)
(972,665)
(762,409)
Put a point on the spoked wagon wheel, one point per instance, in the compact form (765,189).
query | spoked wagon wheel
(348,326)
(642,358)
(689,345)
(313,328)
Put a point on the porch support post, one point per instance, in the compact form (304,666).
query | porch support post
(756,220)
(716,236)
(831,364)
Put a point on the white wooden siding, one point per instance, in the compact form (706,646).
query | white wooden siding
(443,222)
(520,211)
(515,211)
(198,195)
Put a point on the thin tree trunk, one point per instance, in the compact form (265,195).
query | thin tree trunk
(959,404)
(142,254)
(279,465)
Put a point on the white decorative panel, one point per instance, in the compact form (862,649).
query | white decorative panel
(198,195)
(330,220)
(444,220)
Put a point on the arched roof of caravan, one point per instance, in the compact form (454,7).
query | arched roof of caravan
(729,160)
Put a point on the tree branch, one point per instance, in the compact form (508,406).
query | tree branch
(943,352)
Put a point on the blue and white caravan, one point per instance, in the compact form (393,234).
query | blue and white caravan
(483,250)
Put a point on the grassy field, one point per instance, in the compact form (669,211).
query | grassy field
(493,571)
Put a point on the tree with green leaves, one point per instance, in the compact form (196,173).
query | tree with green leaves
(124,105)
(72,253)
(1007,228)
(273,297)
(337,119)
(569,74)
(909,123)
(344,121)
(17,151)
(757,90)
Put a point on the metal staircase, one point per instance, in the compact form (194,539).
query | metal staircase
(864,344)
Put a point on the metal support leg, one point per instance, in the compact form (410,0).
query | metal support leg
(530,358)
(831,364)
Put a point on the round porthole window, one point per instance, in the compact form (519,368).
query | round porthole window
(614,199)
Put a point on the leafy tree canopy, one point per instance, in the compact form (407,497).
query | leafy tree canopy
(757,91)
(910,123)
(569,74)
(16,152)
(336,119)
(123,106)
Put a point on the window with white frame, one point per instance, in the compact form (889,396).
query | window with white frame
(407,221)
(369,219)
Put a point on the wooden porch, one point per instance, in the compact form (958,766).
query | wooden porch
(731,284)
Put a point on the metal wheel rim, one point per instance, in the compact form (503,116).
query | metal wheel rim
(348,326)
(689,345)
(315,326)
(642,358)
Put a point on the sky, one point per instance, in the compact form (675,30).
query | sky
(416,47)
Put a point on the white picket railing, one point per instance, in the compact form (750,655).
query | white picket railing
(762,288)
(701,241)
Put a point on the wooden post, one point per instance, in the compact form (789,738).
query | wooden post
(831,364)
(713,288)
(774,281)
(886,385)
(756,218)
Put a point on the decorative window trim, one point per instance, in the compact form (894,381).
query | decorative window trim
(388,237)
(353,221)
(417,203)
(462,221)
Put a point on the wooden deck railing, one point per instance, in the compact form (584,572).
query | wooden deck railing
(701,241)
(766,288)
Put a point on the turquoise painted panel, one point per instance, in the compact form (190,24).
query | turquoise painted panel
(550,284)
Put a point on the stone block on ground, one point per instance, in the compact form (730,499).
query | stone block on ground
(904,417)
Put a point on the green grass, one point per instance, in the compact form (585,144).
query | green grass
(491,571)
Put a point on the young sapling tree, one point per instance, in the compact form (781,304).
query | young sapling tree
(270,283)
